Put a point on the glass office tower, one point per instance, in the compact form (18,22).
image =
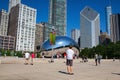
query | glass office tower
(108,13)
(57,15)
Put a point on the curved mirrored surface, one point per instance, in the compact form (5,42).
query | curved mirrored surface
(61,41)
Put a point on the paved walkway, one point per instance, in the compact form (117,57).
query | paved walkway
(43,70)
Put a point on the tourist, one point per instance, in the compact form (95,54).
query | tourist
(32,57)
(27,57)
(69,60)
(96,59)
(99,58)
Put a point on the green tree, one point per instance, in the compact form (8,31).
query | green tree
(19,53)
(110,49)
(8,52)
(85,52)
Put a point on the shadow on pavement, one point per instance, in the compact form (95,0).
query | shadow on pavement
(63,72)
(116,73)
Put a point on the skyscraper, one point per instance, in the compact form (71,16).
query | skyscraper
(13,3)
(39,36)
(75,35)
(108,13)
(3,22)
(22,23)
(115,27)
(57,15)
(89,27)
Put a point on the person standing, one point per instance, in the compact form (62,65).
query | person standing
(27,57)
(69,60)
(32,57)
(96,59)
(99,58)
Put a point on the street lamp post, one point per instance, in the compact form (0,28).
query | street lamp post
(52,41)
(52,60)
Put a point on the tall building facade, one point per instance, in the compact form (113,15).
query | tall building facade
(47,28)
(75,35)
(7,42)
(13,3)
(22,25)
(104,38)
(115,27)
(57,15)
(39,36)
(89,28)
(3,22)
(108,13)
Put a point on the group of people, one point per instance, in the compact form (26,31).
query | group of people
(84,59)
(29,56)
(69,59)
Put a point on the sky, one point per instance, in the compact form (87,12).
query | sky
(74,8)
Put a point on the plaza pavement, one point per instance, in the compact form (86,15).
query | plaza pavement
(14,69)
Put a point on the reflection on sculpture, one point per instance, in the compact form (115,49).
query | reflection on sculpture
(61,41)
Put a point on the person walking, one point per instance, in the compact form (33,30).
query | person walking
(27,57)
(32,57)
(99,58)
(69,60)
(96,59)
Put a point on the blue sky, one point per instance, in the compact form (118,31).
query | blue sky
(73,10)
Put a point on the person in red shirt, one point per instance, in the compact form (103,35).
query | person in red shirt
(65,55)
(32,57)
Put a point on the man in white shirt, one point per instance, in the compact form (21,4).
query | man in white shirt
(69,60)
(27,56)
(96,58)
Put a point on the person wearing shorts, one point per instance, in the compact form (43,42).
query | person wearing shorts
(69,60)
(27,57)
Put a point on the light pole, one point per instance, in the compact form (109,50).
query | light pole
(52,60)
(52,41)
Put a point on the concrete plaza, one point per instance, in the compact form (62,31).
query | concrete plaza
(14,69)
